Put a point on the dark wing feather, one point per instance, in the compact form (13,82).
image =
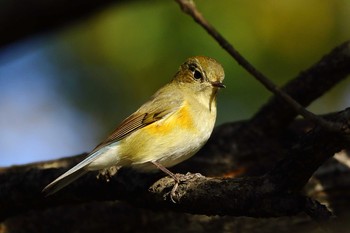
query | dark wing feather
(129,125)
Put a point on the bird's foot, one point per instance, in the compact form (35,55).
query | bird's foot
(181,178)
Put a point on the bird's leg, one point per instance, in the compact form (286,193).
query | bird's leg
(172,175)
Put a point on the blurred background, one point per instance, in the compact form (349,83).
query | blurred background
(64,91)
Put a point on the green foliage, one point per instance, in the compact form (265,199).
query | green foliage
(123,54)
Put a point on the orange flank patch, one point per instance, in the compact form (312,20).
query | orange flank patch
(182,119)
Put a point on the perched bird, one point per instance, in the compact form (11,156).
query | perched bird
(168,129)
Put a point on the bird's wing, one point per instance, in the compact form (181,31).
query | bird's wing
(151,112)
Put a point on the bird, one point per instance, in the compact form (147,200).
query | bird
(168,129)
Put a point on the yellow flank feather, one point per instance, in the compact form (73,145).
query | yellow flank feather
(182,119)
(170,132)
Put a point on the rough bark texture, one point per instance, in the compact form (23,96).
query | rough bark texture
(23,207)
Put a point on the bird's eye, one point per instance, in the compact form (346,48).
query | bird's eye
(196,73)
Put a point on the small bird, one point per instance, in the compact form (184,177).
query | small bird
(168,129)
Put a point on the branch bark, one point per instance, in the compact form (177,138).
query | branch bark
(271,195)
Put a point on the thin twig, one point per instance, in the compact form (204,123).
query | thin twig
(189,8)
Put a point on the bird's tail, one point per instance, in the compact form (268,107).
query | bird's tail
(98,159)
(63,181)
(71,175)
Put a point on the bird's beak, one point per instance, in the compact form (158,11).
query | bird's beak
(218,84)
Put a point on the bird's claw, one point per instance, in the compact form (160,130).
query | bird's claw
(181,178)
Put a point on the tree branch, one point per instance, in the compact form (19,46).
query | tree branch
(302,155)
(264,196)
(309,85)
(189,8)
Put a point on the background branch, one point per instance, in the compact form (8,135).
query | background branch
(189,7)
(308,86)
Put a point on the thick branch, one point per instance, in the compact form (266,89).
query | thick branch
(201,195)
(261,196)
(302,156)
